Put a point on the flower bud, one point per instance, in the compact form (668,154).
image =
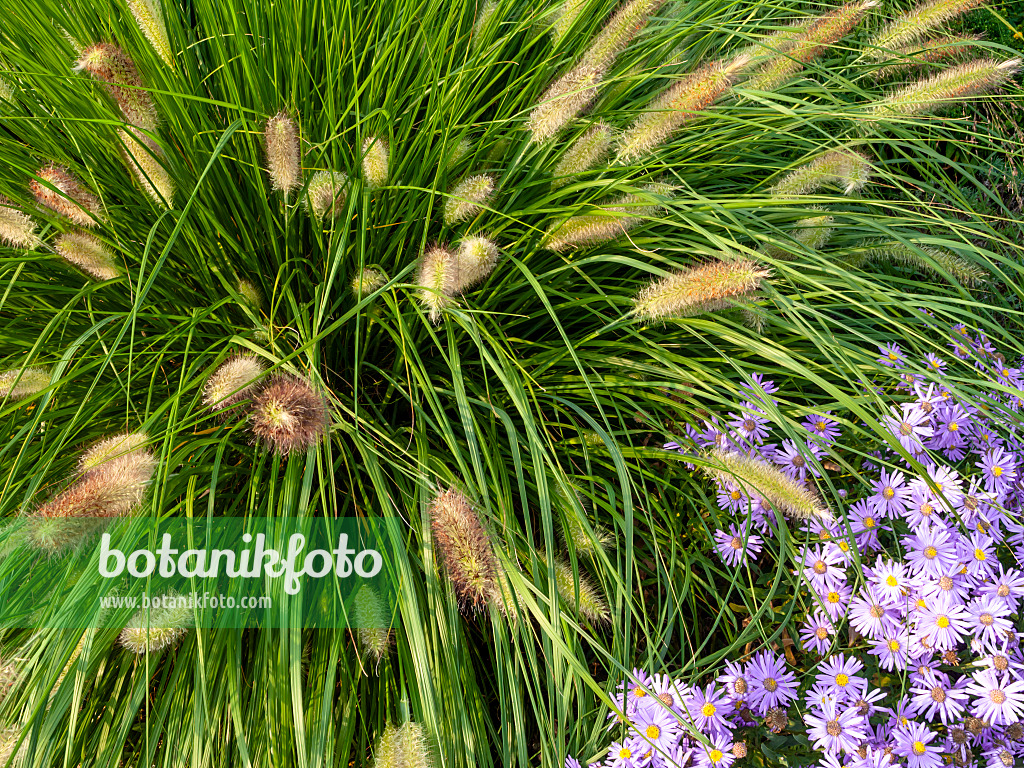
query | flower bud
(284,156)
(22,382)
(150,18)
(375,162)
(326,193)
(57,189)
(111,66)
(466,198)
(586,152)
(372,626)
(250,293)
(17,229)
(88,253)
(289,415)
(235,380)
(697,290)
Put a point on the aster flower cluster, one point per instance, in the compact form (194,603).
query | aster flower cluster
(910,640)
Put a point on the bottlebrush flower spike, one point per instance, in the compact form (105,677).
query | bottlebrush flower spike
(144,156)
(250,293)
(6,90)
(414,746)
(812,233)
(680,104)
(573,507)
(776,43)
(289,415)
(612,221)
(579,593)
(483,19)
(621,28)
(386,753)
(947,87)
(88,253)
(150,18)
(113,477)
(112,67)
(59,190)
(937,262)
(151,630)
(467,197)
(819,35)
(843,167)
(17,229)
(929,51)
(367,281)
(569,11)
(235,380)
(375,162)
(913,25)
(567,97)
(476,259)
(697,290)
(284,155)
(326,194)
(22,382)
(764,481)
(372,626)
(438,279)
(465,550)
(586,152)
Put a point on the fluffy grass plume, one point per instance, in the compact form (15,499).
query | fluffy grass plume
(112,67)
(483,19)
(697,290)
(568,12)
(467,197)
(937,262)
(145,158)
(438,279)
(843,167)
(289,415)
(819,34)
(415,746)
(387,752)
(250,293)
(617,33)
(112,479)
(375,162)
(932,50)
(578,591)
(326,193)
(948,87)
(372,625)
(612,220)
(87,252)
(17,229)
(284,155)
(367,281)
(761,480)
(476,258)
(150,18)
(913,25)
(812,233)
(680,104)
(235,380)
(586,152)
(59,190)
(566,98)
(154,629)
(465,550)
(22,382)
(573,507)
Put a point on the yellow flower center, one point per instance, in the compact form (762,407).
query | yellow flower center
(930,552)
(894,645)
(653,732)
(625,753)
(844,545)
(919,748)
(942,622)
(770,685)
(953,427)
(833,597)
(821,633)
(891,580)
(708,709)
(979,554)
(842,680)
(888,493)
(893,356)
(735,495)
(869,522)
(715,755)
(997,471)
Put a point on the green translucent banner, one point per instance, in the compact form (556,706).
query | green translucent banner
(220,572)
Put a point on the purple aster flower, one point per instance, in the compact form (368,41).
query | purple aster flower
(998,701)
(572,762)
(944,484)
(824,426)
(750,426)
(718,755)
(909,426)
(943,624)
(771,683)
(734,681)
(891,579)
(891,494)
(874,757)
(816,633)
(731,498)
(655,725)
(914,742)
(734,545)
(839,674)
(708,709)
(1008,586)
(824,567)
(934,696)
(999,470)
(952,424)
(892,650)
(626,754)
(988,622)
(952,583)
(999,755)
(978,553)
(923,509)
(833,729)
(892,356)
(836,601)
(864,524)
(931,551)
(935,364)
(793,461)
(869,616)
